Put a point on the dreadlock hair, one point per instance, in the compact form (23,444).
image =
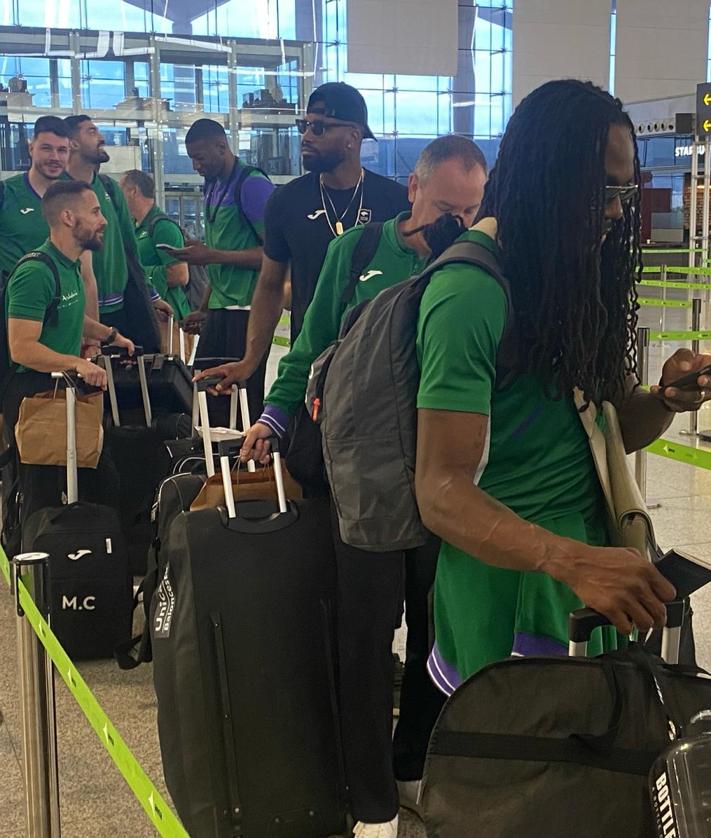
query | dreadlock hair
(574,298)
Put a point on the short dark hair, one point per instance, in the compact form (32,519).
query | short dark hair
(449,147)
(50,125)
(205,129)
(142,181)
(59,195)
(73,122)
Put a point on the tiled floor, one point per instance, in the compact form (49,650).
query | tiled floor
(96,803)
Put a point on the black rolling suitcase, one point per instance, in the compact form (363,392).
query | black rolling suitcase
(241,628)
(141,458)
(169,383)
(89,583)
(560,746)
(175,495)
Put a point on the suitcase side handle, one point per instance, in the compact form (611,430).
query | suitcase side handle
(584,621)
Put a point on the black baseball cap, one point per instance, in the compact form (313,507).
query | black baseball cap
(340,101)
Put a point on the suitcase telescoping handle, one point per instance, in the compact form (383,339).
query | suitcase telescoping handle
(240,392)
(111,353)
(201,388)
(171,339)
(193,352)
(229,446)
(583,622)
(73,383)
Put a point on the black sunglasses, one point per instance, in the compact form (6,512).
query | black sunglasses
(626,193)
(318,126)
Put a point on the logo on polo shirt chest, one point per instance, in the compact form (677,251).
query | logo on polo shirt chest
(369,275)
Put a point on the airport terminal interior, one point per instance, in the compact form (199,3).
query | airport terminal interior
(147,73)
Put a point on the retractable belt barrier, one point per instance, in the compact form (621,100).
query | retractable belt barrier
(158,811)
(680,250)
(683,286)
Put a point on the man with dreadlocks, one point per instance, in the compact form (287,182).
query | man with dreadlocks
(524,544)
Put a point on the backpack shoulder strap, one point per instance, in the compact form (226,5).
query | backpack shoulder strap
(245,172)
(161,216)
(110,187)
(51,314)
(362,256)
(473,253)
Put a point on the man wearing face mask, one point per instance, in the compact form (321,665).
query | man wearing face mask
(446,190)
(306,215)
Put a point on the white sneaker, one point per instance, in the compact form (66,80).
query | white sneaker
(409,793)
(376,830)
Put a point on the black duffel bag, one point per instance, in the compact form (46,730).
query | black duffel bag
(532,747)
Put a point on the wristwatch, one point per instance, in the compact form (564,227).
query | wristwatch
(111,337)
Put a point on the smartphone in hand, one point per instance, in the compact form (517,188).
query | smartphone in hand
(688,381)
(687,573)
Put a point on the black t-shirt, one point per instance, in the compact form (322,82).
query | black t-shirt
(296,227)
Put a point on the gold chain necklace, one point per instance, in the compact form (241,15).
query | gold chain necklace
(338,229)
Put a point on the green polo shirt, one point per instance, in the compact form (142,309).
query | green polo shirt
(226,228)
(22,225)
(393,262)
(149,233)
(30,293)
(109,263)
(537,462)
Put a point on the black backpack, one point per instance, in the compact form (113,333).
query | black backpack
(363,388)
(51,315)
(137,305)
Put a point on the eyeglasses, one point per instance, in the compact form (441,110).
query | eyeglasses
(318,126)
(626,193)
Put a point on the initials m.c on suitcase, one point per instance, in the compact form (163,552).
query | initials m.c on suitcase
(74,603)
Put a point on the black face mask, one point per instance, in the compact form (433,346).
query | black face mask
(440,234)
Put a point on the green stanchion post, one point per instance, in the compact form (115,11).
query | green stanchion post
(36,682)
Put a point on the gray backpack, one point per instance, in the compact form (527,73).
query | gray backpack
(363,391)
